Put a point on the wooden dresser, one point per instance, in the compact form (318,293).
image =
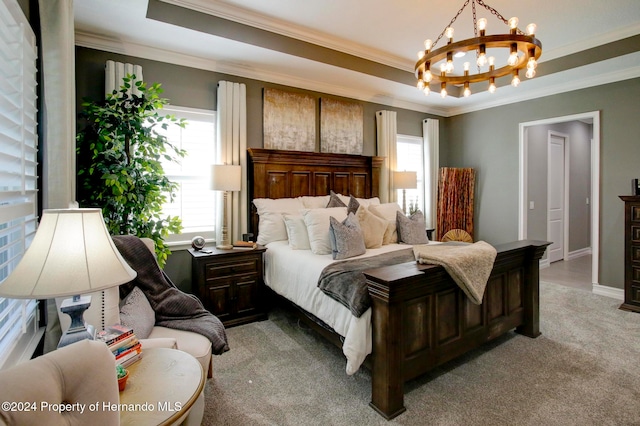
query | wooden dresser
(631,253)
(230,283)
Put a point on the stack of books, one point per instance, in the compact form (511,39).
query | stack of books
(122,342)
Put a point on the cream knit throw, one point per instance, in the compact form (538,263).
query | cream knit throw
(469,265)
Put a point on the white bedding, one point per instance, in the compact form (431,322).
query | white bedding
(294,275)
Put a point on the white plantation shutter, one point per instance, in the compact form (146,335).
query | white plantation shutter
(18,169)
(195,202)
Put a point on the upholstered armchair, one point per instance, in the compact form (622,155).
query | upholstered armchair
(79,374)
(107,309)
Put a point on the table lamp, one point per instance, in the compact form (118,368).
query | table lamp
(72,253)
(405,180)
(225,178)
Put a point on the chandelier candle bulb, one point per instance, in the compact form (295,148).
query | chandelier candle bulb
(427,75)
(524,51)
(513,23)
(515,82)
(492,85)
(482,56)
(467,90)
(482,26)
(449,34)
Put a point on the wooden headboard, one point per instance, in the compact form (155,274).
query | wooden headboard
(286,174)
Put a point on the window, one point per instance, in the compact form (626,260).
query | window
(18,174)
(410,158)
(195,202)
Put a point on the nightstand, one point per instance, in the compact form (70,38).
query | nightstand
(229,283)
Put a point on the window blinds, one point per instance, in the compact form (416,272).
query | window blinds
(18,165)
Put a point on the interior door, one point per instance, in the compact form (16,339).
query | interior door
(555,197)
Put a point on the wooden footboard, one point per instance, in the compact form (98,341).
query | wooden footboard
(422,319)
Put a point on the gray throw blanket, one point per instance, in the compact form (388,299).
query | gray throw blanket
(344,281)
(469,265)
(173,308)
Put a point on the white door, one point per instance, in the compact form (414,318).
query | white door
(555,201)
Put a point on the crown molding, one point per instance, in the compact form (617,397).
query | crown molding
(563,85)
(592,42)
(124,47)
(289,29)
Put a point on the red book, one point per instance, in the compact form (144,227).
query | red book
(114,333)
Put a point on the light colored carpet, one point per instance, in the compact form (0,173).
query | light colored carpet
(583,370)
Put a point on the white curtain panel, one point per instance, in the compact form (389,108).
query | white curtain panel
(114,72)
(232,149)
(386,125)
(58,104)
(431,137)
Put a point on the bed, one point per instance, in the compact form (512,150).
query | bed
(419,318)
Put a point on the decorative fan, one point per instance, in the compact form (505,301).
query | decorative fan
(457,235)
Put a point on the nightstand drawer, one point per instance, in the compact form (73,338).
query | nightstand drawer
(230,284)
(225,269)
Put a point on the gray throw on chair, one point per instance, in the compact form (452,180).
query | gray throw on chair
(174,308)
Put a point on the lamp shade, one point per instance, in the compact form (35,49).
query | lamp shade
(72,253)
(226,177)
(405,180)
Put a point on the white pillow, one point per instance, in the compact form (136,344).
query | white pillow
(296,232)
(280,205)
(387,212)
(344,198)
(271,225)
(318,202)
(317,222)
(271,228)
(375,201)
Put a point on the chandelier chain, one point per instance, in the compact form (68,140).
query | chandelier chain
(475,31)
(496,14)
(451,23)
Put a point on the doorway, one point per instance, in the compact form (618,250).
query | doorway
(527,207)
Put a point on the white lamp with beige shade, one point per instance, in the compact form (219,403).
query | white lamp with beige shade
(71,254)
(405,180)
(225,178)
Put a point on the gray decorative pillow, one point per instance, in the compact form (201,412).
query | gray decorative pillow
(335,201)
(346,237)
(137,313)
(353,205)
(412,230)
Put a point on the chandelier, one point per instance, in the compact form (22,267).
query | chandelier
(437,65)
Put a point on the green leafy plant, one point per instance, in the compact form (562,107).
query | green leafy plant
(120,371)
(119,163)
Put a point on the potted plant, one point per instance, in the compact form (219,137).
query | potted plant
(123,375)
(119,163)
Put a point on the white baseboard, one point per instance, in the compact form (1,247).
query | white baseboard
(544,263)
(579,253)
(604,290)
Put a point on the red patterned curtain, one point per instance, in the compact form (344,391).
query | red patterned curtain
(456,188)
